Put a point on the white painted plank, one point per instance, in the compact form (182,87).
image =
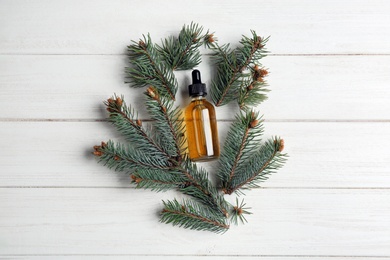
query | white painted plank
(125,221)
(101,27)
(310,88)
(185,257)
(352,155)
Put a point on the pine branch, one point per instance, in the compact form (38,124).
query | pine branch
(148,69)
(165,146)
(186,178)
(146,171)
(255,92)
(122,157)
(225,85)
(242,139)
(168,122)
(158,180)
(193,216)
(238,212)
(232,66)
(126,121)
(183,53)
(259,166)
(251,50)
(199,187)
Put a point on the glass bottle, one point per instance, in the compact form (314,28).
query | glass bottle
(201,123)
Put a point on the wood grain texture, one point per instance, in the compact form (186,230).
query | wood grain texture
(322,155)
(308,88)
(95,221)
(101,27)
(186,257)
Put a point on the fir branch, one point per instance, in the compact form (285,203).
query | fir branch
(209,40)
(259,166)
(199,187)
(147,68)
(251,50)
(238,212)
(175,172)
(168,122)
(232,65)
(193,216)
(157,180)
(255,92)
(121,157)
(126,121)
(225,85)
(240,142)
(183,53)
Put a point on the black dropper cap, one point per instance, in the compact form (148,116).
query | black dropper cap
(197,88)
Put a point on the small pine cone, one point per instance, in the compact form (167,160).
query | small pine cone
(281,147)
(98,153)
(263,72)
(96,147)
(139,122)
(226,213)
(110,103)
(259,74)
(257,43)
(133,177)
(142,44)
(260,79)
(116,158)
(119,102)
(152,93)
(250,87)
(238,210)
(210,38)
(254,121)
(103,144)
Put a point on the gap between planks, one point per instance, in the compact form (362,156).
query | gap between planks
(82,120)
(132,187)
(200,255)
(125,54)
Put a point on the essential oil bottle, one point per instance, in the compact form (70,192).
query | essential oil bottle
(201,123)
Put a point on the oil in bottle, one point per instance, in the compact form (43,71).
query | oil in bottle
(201,123)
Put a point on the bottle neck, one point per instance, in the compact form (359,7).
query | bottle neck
(197,98)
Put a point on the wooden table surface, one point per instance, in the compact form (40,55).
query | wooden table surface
(330,101)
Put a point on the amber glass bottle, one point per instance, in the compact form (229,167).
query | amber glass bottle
(201,123)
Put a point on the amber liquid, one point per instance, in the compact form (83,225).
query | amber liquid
(201,130)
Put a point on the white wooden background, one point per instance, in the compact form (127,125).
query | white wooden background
(330,81)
